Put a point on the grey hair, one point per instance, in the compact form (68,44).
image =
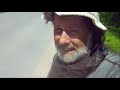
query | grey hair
(48,16)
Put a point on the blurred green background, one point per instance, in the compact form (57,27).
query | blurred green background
(112,21)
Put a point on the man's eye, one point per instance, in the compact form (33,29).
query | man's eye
(73,32)
(58,31)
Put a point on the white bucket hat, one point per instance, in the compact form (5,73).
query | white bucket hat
(94,16)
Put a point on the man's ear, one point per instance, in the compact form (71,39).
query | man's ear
(90,42)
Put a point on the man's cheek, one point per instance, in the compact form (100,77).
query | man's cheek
(56,38)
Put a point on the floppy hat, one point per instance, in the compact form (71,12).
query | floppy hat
(94,16)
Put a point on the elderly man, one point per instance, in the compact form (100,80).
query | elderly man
(79,38)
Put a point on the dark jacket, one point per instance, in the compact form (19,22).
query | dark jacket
(96,66)
(109,67)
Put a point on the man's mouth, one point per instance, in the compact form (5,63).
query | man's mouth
(69,50)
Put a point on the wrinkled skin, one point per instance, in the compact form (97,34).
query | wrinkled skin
(72,37)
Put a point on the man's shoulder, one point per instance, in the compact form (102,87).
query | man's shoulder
(109,67)
(113,57)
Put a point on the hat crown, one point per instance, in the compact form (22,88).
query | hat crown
(94,16)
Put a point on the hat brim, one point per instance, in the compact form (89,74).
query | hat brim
(99,25)
(95,20)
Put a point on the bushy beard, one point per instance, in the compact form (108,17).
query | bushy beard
(76,55)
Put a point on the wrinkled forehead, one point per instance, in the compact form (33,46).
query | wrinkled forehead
(71,20)
(70,17)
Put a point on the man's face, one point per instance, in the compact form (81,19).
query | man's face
(72,37)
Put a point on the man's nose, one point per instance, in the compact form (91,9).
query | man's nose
(64,39)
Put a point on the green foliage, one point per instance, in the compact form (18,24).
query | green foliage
(112,42)
(112,21)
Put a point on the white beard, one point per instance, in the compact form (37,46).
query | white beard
(74,56)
